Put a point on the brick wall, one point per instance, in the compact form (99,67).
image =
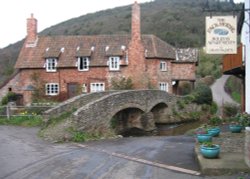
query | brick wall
(143,78)
(183,71)
(63,77)
(155,75)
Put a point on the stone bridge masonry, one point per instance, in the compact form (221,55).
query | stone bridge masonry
(130,109)
(73,104)
(95,112)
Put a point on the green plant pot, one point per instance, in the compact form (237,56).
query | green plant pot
(204,138)
(235,128)
(214,131)
(210,152)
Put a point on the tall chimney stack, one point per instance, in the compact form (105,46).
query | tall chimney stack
(136,22)
(31,30)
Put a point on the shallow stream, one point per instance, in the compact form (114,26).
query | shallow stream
(177,129)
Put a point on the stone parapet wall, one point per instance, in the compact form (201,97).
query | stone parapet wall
(73,104)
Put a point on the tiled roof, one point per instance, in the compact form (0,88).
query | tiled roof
(157,48)
(187,55)
(99,47)
(83,53)
(52,52)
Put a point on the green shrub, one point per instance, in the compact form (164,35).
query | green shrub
(233,87)
(215,121)
(10,96)
(78,137)
(213,108)
(181,104)
(122,83)
(203,94)
(230,110)
(209,65)
(189,98)
(240,118)
(194,115)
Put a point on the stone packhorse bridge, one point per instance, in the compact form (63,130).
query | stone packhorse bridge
(115,110)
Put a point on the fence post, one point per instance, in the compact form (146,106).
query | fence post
(247,146)
(8,111)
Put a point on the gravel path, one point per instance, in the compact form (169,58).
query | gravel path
(219,94)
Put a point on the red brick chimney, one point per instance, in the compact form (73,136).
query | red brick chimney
(31,30)
(136,22)
(136,69)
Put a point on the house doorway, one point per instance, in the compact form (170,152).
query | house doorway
(73,90)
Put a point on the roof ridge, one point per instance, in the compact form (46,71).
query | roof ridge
(97,35)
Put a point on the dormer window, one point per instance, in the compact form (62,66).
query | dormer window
(51,64)
(83,63)
(114,63)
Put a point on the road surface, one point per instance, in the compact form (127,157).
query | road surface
(24,155)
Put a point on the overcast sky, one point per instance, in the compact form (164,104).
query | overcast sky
(13,14)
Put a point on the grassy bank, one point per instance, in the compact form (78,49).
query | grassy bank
(25,121)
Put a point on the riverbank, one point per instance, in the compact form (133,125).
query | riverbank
(231,158)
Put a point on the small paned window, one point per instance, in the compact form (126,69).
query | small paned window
(163,66)
(163,86)
(97,87)
(51,64)
(83,63)
(52,89)
(114,63)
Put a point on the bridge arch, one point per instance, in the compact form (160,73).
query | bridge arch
(159,111)
(127,120)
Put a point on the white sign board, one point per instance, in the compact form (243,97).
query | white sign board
(221,35)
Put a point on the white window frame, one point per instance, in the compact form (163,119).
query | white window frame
(97,87)
(114,63)
(84,88)
(163,66)
(85,63)
(52,89)
(163,86)
(51,64)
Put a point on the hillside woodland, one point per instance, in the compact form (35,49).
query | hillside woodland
(178,22)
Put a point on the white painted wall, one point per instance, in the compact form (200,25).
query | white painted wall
(245,38)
